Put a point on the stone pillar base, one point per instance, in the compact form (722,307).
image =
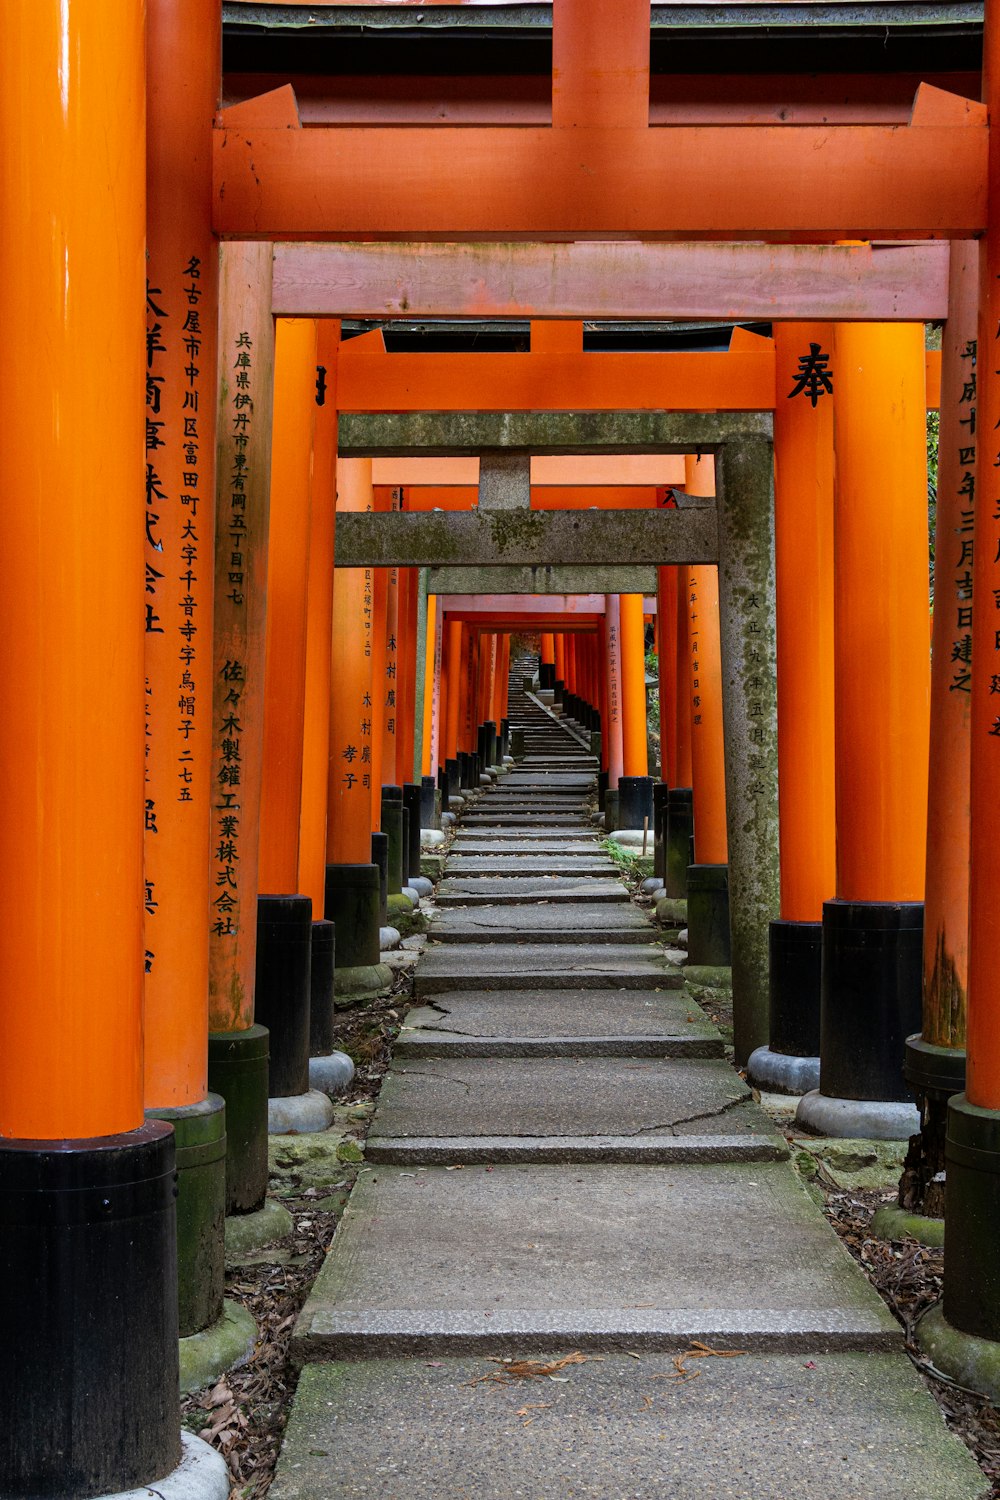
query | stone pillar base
(857,1119)
(202,1474)
(200,1154)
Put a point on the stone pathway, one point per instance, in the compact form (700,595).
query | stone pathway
(562,1163)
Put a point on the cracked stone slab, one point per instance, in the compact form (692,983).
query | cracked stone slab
(557,1023)
(515,1259)
(543,923)
(860,1424)
(531,864)
(535,846)
(480,1150)
(497,966)
(550,1097)
(519,890)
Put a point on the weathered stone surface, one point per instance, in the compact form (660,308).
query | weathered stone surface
(531,864)
(859,1424)
(494,966)
(521,1023)
(549,1097)
(518,890)
(646,1255)
(578,923)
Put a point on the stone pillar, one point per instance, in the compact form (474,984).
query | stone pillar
(182,310)
(872,931)
(87,1235)
(746,621)
(803,462)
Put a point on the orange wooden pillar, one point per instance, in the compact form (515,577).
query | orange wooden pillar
(635,786)
(408,731)
(238,1048)
(353,896)
(547,662)
(559,653)
(666,673)
(872,931)
(613,693)
(680,798)
(602,693)
(803,502)
(957,1335)
(707,882)
(72,138)
(182,310)
(433,692)
(318,684)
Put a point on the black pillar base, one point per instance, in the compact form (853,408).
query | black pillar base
(88,1359)
(872,980)
(635,801)
(322,988)
(972,1276)
(453,772)
(200,1158)
(464,771)
(558,688)
(391,821)
(680,825)
(443,788)
(428,811)
(490,744)
(352,905)
(282,990)
(504,738)
(796,953)
(708,915)
(660,794)
(547,674)
(238,1071)
(603,778)
(611,803)
(380,859)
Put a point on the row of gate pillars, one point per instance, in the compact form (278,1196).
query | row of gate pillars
(211,729)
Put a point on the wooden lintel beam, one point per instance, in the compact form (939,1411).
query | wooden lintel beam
(768,182)
(626,280)
(535,539)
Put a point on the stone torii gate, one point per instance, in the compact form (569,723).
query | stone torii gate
(736,531)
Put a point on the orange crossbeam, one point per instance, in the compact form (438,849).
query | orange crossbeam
(768,182)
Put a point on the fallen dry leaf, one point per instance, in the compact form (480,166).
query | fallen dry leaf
(527,1369)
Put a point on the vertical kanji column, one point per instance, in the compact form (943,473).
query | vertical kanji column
(184,58)
(963,1339)
(872,931)
(612,616)
(708,875)
(666,673)
(237,1047)
(803,504)
(87,1221)
(352,880)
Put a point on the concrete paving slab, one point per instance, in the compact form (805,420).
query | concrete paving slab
(596,1257)
(764,1427)
(557,1023)
(518,890)
(581,922)
(544,1098)
(495,966)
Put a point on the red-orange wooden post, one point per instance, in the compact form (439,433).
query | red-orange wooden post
(803,504)
(238,1047)
(547,662)
(72,288)
(964,1338)
(666,673)
(707,883)
(182,310)
(635,786)
(353,897)
(872,931)
(318,686)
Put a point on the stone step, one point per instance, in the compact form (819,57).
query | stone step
(543,924)
(522,1259)
(768,1427)
(497,966)
(558,1023)
(531,864)
(568,1108)
(520,890)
